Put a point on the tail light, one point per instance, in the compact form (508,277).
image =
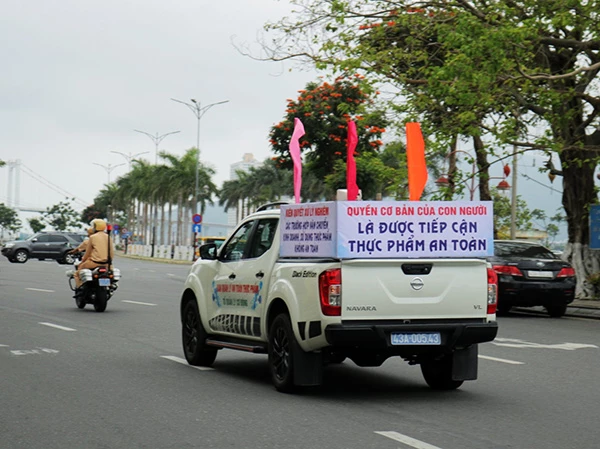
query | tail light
(492,294)
(509,270)
(330,292)
(566,272)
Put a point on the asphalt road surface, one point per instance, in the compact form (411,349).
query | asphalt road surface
(78,379)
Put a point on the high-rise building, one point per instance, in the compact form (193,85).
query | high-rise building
(245,164)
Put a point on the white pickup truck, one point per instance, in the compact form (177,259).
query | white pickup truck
(307,312)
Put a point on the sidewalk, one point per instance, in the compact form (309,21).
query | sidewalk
(586,308)
(120,253)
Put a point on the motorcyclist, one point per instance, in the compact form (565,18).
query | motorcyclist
(99,251)
(83,245)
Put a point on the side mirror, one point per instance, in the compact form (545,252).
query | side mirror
(208,251)
(34,240)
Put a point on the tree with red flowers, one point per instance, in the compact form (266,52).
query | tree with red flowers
(324,110)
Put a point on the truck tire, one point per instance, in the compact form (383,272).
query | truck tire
(193,337)
(438,374)
(281,350)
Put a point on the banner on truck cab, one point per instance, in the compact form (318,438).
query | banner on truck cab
(388,229)
(308,230)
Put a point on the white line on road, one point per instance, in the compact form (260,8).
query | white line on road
(510,362)
(39,290)
(407,440)
(59,327)
(3,346)
(140,303)
(184,362)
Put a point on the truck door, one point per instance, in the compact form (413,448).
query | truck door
(243,277)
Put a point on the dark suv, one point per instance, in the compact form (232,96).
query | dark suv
(43,245)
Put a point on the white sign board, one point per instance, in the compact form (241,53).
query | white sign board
(308,230)
(388,229)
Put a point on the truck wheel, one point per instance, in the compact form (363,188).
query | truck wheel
(101,300)
(281,346)
(438,374)
(193,337)
(556,310)
(21,256)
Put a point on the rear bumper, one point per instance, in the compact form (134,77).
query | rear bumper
(536,294)
(365,335)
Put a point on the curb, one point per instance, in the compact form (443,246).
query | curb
(154,259)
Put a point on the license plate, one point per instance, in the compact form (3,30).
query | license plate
(416,338)
(541,274)
(104,282)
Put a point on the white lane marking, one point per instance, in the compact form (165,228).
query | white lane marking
(495,359)
(3,346)
(514,343)
(407,440)
(171,274)
(40,290)
(33,351)
(140,303)
(184,362)
(59,327)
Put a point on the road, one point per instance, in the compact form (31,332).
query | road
(78,379)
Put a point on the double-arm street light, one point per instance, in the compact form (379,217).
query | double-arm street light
(157,140)
(198,110)
(130,157)
(109,168)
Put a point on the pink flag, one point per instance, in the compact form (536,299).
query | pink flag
(351,187)
(296,158)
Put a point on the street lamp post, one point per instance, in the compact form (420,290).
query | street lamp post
(130,157)
(157,140)
(109,168)
(199,111)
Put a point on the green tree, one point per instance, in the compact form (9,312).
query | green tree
(62,216)
(9,219)
(508,68)
(324,110)
(36,224)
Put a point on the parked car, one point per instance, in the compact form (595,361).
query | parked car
(43,245)
(529,275)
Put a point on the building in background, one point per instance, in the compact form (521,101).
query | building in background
(245,164)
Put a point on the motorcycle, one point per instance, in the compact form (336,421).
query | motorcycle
(97,285)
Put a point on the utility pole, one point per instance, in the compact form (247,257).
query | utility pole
(513,193)
(157,140)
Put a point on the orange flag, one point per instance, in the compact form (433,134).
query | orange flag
(415,158)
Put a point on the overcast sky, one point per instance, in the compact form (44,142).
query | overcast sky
(79,77)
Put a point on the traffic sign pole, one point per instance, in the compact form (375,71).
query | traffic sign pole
(196,229)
